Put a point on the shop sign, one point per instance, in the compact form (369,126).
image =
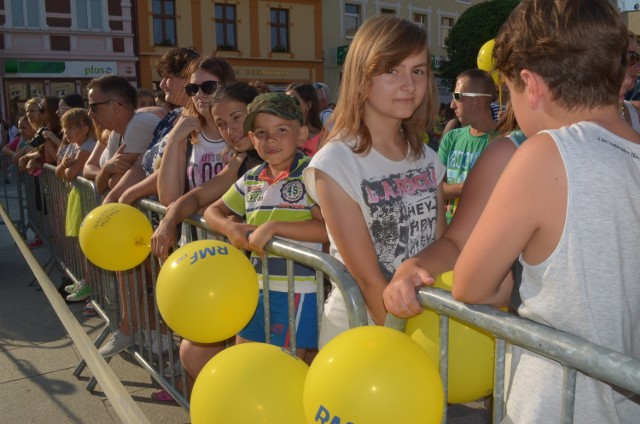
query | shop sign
(20,68)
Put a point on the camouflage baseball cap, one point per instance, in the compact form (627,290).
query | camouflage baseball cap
(277,104)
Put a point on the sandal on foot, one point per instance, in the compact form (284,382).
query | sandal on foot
(162,395)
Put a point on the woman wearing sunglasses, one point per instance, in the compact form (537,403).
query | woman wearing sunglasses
(173,69)
(194,150)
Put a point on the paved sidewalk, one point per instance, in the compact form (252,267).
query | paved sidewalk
(37,357)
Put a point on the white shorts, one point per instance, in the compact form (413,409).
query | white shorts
(334,317)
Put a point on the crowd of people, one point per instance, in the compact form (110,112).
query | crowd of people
(505,197)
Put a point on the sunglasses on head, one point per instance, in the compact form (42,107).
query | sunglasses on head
(458,95)
(632,58)
(207,87)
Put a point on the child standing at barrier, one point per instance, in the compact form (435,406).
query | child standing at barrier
(274,202)
(79,131)
(228,109)
(379,187)
(569,202)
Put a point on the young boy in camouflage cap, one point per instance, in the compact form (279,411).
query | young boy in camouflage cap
(273,202)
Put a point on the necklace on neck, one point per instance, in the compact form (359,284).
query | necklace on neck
(623,113)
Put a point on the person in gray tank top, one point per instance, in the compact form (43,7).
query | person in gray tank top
(566,205)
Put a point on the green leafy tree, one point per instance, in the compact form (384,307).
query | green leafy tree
(477,25)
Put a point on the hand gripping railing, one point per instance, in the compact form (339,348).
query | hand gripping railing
(572,352)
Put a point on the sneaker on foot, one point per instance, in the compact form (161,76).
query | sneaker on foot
(71,288)
(89,310)
(82,292)
(116,344)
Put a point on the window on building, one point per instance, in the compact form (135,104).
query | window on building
(384,11)
(25,14)
(446,23)
(226,26)
(164,22)
(89,14)
(279,30)
(352,18)
(421,20)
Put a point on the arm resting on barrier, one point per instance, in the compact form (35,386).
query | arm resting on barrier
(132,176)
(312,230)
(172,173)
(517,219)
(145,188)
(216,217)
(351,235)
(441,255)
(92,167)
(192,202)
(74,166)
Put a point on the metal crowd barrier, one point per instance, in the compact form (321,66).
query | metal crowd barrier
(574,353)
(47,219)
(46,200)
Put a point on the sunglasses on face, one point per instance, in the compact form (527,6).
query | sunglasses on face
(458,95)
(93,107)
(632,58)
(207,87)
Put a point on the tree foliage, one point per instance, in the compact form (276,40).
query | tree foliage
(477,25)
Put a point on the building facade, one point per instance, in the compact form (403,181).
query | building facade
(343,17)
(55,47)
(274,42)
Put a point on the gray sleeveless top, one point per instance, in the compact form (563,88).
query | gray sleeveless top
(590,285)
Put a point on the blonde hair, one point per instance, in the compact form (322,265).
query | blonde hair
(380,44)
(35,101)
(78,117)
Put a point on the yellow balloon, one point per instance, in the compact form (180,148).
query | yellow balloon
(485,60)
(250,383)
(373,375)
(115,236)
(485,56)
(471,351)
(207,291)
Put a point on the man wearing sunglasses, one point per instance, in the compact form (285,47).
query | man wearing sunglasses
(112,102)
(459,148)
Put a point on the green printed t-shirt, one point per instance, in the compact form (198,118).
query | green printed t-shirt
(459,151)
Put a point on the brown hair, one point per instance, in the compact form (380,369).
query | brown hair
(380,44)
(507,122)
(50,106)
(309,95)
(480,82)
(577,46)
(213,65)
(175,61)
(79,117)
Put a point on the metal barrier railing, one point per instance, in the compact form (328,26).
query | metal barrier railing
(48,220)
(574,353)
